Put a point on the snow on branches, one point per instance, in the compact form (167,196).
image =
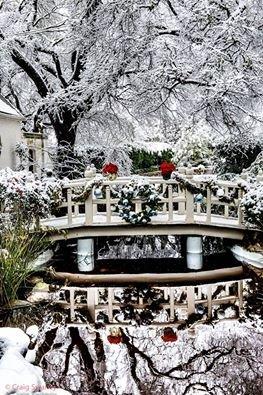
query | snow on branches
(252,205)
(111,60)
(23,195)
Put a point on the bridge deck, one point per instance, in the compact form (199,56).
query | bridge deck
(218,226)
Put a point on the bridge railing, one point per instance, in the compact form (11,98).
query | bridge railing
(179,302)
(177,203)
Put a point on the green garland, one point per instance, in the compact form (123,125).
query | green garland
(195,190)
(149,195)
(150,203)
(81,194)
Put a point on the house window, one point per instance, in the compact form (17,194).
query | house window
(32,160)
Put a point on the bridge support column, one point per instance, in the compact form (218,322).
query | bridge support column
(85,254)
(194,252)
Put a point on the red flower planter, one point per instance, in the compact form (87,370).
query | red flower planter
(166,169)
(169,335)
(114,339)
(110,168)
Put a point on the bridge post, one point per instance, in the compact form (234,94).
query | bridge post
(190,300)
(85,254)
(108,205)
(89,210)
(170,202)
(91,302)
(240,295)
(181,193)
(72,304)
(69,206)
(194,252)
(181,205)
(208,206)
(209,302)
(189,207)
(171,289)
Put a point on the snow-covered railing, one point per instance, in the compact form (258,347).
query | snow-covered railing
(176,303)
(187,199)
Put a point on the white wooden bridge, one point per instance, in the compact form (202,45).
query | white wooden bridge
(179,212)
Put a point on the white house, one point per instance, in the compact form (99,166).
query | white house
(10,133)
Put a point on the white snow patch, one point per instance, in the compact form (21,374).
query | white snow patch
(14,338)
(32,332)
(18,374)
(7,109)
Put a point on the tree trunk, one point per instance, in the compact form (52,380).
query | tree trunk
(65,128)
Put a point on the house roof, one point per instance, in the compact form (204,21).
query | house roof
(8,111)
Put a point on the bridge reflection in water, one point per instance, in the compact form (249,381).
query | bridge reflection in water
(176,304)
(175,292)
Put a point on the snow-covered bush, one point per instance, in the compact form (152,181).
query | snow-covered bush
(236,152)
(24,196)
(192,147)
(252,205)
(256,166)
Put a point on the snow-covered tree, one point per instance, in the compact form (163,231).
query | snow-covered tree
(237,152)
(252,204)
(90,66)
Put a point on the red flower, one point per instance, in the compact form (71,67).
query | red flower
(114,339)
(169,335)
(167,168)
(110,168)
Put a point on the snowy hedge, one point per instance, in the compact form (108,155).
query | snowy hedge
(236,152)
(24,195)
(192,147)
(252,205)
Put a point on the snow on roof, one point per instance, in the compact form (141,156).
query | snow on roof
(7,110)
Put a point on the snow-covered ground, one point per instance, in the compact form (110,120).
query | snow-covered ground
(18,375)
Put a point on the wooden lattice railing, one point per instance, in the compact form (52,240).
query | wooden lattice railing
(178,302)
(177,204)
